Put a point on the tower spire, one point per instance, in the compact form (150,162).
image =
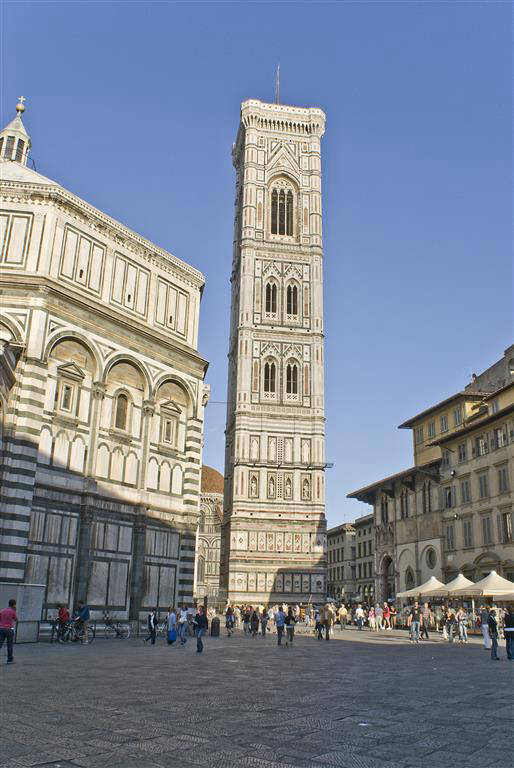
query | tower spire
(277,85)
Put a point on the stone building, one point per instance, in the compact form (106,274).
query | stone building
(364,543)
(208,541)
(274,530)
(102,400)
(447,512)
(341,561)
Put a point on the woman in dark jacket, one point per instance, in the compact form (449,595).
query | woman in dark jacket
(254,622)
(201,624)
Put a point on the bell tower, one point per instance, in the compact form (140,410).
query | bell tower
(274,529)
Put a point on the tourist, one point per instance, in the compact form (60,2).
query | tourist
(280,621)
(318,626)
(371,620)
(254,622)
(172,625)
(152,626)
(182,625)
(508,631)
(271,617)
(290,621)
(8,619)
(393,616)
(386,615)
(359,616)
(246,620)
(83,619)
(493,634)
(413,622)
(229,621)
(378,616)
(343,617)
(328,619)
(451,624)
(63,618)
(237,617)
(264,622)
(425,621)
(462,624)
(484,625)
(201,625)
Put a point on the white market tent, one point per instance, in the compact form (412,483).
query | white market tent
(459,582)
(424,589)
(489,586)
(504,598)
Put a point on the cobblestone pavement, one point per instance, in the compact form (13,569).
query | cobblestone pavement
(358,701)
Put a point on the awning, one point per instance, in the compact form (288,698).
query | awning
(491,585)
(424,589)
(459,582)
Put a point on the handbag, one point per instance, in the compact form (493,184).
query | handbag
(172,636)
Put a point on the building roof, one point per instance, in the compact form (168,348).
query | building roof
(12,171)
(212,480)
(363,493)
(475,425)
(364,520)
(343,528)
(457,396)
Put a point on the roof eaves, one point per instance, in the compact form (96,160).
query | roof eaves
(457,396)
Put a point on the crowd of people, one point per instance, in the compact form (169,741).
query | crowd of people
(451,622)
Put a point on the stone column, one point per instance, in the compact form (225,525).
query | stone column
(137,578)
(83,550)
(98,393)
(148,412)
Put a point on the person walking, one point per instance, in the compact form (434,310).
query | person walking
(318,626)
(246,620)
(8,620)
(328,619)
(386,614)
(264,622)
(371,620)
(151,622)
(425,621)
(182,625)
(201,625)
(508,631)
(413,622)
(229,621)
(254,622)
(359,616)
(172,626)
(290,621)
(393,616)
(343,617)
(378,616)
(484,626)
(493,634)
(280,621)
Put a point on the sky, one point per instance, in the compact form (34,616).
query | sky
(134,106)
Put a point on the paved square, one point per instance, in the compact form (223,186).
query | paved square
(358,701)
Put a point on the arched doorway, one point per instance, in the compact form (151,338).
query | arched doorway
(385,582)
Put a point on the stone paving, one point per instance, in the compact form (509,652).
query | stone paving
(358,701)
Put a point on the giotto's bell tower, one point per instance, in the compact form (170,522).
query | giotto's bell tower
(274,534)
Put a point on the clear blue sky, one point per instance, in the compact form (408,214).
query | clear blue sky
(134,107)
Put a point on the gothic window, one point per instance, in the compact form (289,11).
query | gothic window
(292,300)
(121,411)
(271,299)
(292,379)
(270,378)
(9,147)
(306,489)
(282,211)
(384,510)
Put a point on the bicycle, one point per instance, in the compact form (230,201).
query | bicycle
(116,629)
(74,632)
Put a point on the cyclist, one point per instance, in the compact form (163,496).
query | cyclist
(63,618)
(82,619)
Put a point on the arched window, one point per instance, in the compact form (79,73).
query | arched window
(19,150)
(292,379)
(271,299)
(292,300)
(274,212)
(409,579)
(282,211)
(270,378)
(121,413)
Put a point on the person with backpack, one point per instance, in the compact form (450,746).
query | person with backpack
(152,626)
(172,626)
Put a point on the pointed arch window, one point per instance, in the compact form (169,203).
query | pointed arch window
(270,378)
(271,299)
(292,379)
(292,300)
(121,411)
(282,211)
(19,150)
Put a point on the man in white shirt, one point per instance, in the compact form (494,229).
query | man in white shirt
(182,625)
(359,615)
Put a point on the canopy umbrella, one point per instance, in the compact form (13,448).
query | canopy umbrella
(459,582)
(490,585)
(424,589)
(508,598)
